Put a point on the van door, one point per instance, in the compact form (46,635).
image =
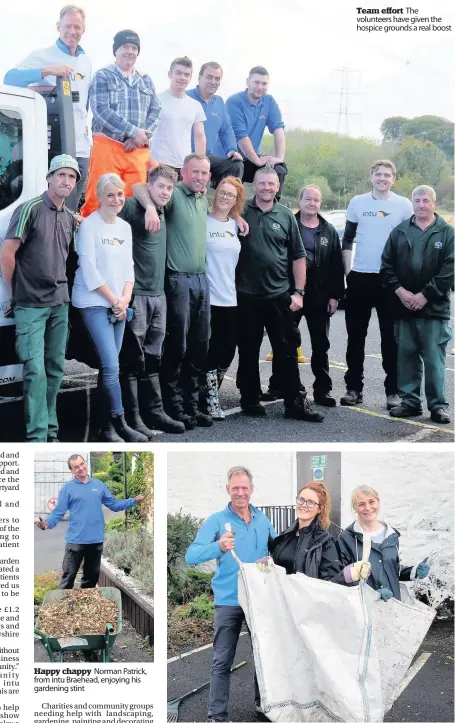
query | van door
(23,165)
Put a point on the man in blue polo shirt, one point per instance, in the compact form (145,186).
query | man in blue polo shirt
(217,127)
(83,497)
(251,111)
(245,527)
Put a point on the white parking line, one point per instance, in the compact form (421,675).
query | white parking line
(412,672)
(196,650)
(416,437)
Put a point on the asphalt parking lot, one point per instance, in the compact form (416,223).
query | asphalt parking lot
(369,422)
(428,695)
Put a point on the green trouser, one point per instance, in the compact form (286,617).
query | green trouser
(41,336)
(422,346)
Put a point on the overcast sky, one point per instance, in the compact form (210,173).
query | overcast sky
(303,44)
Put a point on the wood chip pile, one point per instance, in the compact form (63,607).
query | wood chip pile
(78,612)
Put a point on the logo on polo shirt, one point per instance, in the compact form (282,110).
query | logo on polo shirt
(221,234)
(376,213)
(217,115)
(438,244)
(263,116)
(113,241)
(276,226)
(324,241)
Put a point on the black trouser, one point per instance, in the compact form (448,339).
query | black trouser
(222,166)
(187,341)
(72,560)
(318,323)
(223,337)
(276,316)
(364,292)
(227,626)
(250,168)
(144,334)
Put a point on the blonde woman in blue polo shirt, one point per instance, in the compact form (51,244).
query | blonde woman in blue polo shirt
(102,292)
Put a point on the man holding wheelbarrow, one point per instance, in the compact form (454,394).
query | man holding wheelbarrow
(83,497)
(242,525)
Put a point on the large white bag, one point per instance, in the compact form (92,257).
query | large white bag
(325,652)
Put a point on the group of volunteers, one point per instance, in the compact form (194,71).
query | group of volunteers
(305,547)
(168,286)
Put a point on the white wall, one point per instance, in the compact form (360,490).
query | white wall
(197,480)
(51,472)
(417,497)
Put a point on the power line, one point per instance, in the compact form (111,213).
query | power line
(344,93)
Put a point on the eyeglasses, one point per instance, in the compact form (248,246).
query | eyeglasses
(229,196)
(309,503)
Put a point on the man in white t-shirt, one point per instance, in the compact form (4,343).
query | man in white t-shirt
(370,218)
(64,59)
(180,115)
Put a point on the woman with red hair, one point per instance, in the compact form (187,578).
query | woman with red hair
(307,546)
(223,249)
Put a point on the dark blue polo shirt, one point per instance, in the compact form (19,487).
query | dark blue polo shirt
(251,120)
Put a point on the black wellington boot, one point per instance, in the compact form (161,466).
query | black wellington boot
(126,433)
(129,384)
(154,413)
(106,432)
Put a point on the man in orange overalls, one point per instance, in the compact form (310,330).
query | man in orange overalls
(126,113)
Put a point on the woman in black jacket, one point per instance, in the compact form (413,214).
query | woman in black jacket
(386,568)
(306,546)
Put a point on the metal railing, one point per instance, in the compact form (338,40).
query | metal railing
(281,516)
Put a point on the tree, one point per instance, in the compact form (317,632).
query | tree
(392,128)
(431,128)
(444,193)
(405,184)
(423,160)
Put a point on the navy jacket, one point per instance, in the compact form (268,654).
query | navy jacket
(316,554)
(386,569)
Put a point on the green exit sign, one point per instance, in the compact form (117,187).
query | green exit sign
(320,461)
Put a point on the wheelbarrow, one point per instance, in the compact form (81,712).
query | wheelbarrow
(56,647)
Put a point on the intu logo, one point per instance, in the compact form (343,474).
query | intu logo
(112,241)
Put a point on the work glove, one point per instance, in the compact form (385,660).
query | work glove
(358,570)
(265,564)
(422,570)
(385,593)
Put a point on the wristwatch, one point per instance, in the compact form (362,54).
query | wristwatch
(300,292)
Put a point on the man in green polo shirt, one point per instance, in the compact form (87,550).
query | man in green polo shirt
(271,249)
(187,290)
(140,356)
(33,264)
(417,264)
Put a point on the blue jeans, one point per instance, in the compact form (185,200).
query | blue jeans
(107,339)
(83,167)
